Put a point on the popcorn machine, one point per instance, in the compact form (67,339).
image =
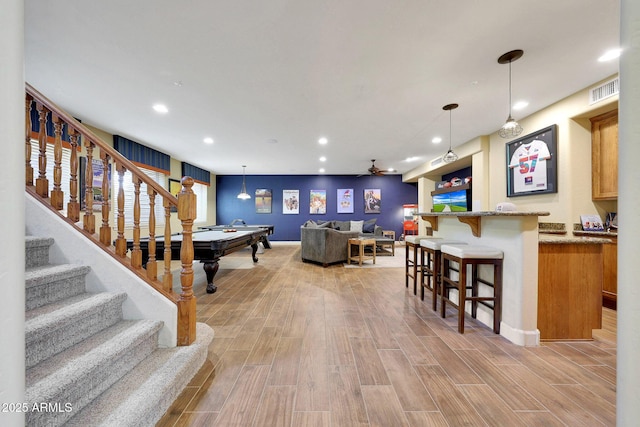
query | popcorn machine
(410,223)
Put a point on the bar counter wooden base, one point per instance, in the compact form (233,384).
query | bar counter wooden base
(569,291)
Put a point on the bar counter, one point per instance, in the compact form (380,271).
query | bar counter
(570,274)
(516,234)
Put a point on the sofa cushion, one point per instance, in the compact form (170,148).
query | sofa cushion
(369,226)
(356,226)
(325,224)
(342,225)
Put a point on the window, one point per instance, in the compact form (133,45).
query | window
(200,190)
(128,187)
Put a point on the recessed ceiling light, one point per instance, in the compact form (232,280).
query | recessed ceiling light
(412,159)
(610,54)
(321,170)
(161,108)
(208,140)
(520,105)
(323,159)
(436,140)
(323,140)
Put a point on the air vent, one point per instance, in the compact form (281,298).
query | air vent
(604,91)
(436,162)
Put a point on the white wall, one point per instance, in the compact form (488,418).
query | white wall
(107,274)
(12,128)
(628,369)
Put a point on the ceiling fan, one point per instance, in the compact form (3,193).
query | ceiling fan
(374,170)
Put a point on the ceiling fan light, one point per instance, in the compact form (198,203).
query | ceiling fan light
(510,129)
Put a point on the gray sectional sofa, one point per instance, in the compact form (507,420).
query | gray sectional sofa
(326,242)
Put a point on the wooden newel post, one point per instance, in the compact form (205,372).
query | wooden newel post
(27,140)
(187,302)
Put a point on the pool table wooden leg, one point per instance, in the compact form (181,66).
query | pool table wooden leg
(254,249)
(210,269)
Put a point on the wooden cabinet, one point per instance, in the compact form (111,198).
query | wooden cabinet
(569,290)
(604,156)
(610,274)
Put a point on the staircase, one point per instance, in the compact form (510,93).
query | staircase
(85,364)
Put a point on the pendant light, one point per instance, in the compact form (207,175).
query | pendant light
(450,156)
(511,128)
(243,192)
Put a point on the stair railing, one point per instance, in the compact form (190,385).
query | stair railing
(184,203)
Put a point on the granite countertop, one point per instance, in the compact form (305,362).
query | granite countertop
(595,233)
(551,228)
(484,213)
(566,240)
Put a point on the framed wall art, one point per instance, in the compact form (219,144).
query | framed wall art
(175,186)
(318,201)
(290,202)
(532,163)
(345,200)
(263,200)
(372,200)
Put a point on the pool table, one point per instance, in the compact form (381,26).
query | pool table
(208,247)
(241,226)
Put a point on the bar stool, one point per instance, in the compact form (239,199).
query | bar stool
(430,262)
(471,256)
(412,263)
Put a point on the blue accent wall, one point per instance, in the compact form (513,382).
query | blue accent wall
(394,193)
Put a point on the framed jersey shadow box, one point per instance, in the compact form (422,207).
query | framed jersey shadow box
(532,163)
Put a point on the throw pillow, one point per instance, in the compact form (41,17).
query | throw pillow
(326,224)
(369,226)
(356,226)
(310,224)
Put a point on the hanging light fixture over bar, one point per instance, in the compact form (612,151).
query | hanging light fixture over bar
(450,156)
(511,128)
(243,192)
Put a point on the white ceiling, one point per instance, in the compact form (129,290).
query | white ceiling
(372,76)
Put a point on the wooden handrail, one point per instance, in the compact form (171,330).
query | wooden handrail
(184,203)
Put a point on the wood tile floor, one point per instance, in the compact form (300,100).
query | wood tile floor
(300,345)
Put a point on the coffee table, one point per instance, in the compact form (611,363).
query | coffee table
(360,244)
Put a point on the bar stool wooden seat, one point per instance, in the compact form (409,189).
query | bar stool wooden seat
(412,262)
(430,262)
(471,256)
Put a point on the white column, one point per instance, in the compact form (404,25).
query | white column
(628,381)
(12,226)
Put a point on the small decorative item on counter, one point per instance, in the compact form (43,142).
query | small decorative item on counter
(591,223)
(506,207)
(611,223)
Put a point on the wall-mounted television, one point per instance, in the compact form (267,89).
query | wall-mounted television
(452,201)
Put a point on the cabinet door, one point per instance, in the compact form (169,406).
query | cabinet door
(604,156)
(610,274)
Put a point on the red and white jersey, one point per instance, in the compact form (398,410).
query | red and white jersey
(530,167)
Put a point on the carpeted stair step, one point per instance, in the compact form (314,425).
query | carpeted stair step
(74,377)
(143,396)
(55,327)
(36,250)
(50,283)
